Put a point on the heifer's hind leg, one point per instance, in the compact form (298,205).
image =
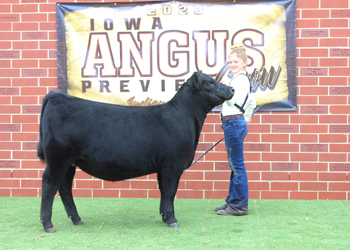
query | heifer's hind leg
(67,197)
(49,189)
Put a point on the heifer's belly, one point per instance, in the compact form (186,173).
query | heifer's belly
(113,172)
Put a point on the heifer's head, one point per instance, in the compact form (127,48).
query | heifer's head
(214,92)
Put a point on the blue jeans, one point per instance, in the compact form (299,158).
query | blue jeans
(235,132)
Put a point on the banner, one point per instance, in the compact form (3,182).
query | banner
(140,53)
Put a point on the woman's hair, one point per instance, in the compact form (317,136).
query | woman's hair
(240,50)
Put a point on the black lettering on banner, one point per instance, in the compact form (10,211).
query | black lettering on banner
(132,23)
(163,85)
(178,84)
(108,24)
(144,88)
(156,23)
(85,85)
(104,85)
(123,86)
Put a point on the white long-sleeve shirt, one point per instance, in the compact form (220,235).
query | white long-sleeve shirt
(240,83)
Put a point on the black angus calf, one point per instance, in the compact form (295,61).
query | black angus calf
(115,142)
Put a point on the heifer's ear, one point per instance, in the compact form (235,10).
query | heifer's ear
(194,80)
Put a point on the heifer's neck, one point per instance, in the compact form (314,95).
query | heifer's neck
(192,104)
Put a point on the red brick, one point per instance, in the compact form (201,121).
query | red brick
(275,119)
(339,186)
(333,100)
(25,45)
(8,109)
(25,26)
(217,175)
(304,157)
(284,186)
(48,81)
(144,184)
(307,80)
(25,63)
(313,129)
(5,192)
(5,155)
(314,186)
(10,35)
(332,195)
(332,157)
(339,71)
(314,91)
(190,194)
(47,7)
(274,195)
(331,138)
(25,82)
(33,165)
(257,166)
(132,193)
(200,185)
(222,185)
(10,145)
(25,173)
(37,17)
(31,183)
(306,166)
(34,91)
(315,14)
(332,176)
(308,4)
(340,148)
(334,4)
(340,33)
(331,42)
(23,192)
(342,109)
(117,184)
(327,23)
(9,73)
(192,175)
(301,119)
(84,193)
(88,183)
(332,62)
(327,81)
(24,155)
(216,195)
(5,173)
(274,138)
(307,62)
(253,185)
(303,176)
(154,194)
(303,195)
(308,23)
(303,138)
(34,54)
(313,52)
(24,136)
(48,26)
(275,156)
(98,193)
(274,176)
(25,8)
(5,45)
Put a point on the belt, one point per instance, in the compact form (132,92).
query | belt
(230,117)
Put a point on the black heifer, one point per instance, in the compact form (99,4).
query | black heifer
(115,142)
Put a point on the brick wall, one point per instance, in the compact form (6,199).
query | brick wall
(289,155)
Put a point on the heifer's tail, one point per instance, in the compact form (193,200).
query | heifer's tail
(40,149)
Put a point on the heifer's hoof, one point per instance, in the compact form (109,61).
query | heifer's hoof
(50,230)
(79,223)
(174,225)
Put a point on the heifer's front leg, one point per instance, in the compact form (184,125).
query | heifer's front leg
(67,197)
(170,185)
(162,196)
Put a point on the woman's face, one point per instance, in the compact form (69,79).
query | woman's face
(236,64)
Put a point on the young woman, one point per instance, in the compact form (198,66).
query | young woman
(234,121)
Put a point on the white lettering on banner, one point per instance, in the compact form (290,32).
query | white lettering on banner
(99,53)
(177,62)
(218,56)
(172,52)
(142,56)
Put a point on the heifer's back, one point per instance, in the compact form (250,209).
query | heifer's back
(115,142)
